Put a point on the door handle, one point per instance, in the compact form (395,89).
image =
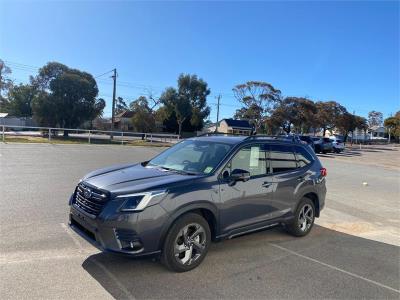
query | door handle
(266,184)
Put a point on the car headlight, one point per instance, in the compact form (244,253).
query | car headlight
(139,201)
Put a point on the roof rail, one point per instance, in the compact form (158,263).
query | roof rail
(290,138)
(219,133)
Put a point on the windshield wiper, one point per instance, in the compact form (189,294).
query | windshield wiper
(179,171)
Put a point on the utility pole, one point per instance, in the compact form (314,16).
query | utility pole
(218,103)
(114,77)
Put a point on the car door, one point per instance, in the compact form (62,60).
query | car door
(287,177)
(246,203)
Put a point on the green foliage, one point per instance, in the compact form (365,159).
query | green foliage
(258,99)
(328,114)
(185,108)
(20,100)
(120,105)
(293,111)
(143,119)
(393,123)
(347,123)
(67,97)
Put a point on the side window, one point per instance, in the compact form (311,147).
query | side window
(250,158)
(282,158)
(304,158)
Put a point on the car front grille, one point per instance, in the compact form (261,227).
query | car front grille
(90,200)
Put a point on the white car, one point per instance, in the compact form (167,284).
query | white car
(338,145)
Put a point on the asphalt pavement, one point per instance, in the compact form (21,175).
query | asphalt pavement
(352,253)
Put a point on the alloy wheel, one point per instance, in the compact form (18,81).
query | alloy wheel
(306,217)
(190,244)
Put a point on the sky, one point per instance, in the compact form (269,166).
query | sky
(324,50)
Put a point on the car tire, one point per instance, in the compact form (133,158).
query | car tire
(181,253)
(303,218)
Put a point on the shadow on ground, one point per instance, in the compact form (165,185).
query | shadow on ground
(325,264)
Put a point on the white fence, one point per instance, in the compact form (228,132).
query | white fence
(91,136)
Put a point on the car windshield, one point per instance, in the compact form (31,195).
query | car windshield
(191,157)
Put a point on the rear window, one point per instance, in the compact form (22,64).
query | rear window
(327,140)
(304,157)
(338,141)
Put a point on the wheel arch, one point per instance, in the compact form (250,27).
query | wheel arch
(207,210)
(314,198)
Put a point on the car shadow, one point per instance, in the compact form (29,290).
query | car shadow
(259,265)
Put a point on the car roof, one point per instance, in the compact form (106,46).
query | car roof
(221,139)
(237,139)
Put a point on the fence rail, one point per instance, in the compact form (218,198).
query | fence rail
(86,134)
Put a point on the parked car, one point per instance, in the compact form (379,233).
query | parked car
(337,144)
(202,189)
(308,140)
(322,145)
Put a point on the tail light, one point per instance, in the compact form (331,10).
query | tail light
(323,172)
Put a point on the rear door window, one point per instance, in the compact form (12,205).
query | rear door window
(304,157)
(282,158)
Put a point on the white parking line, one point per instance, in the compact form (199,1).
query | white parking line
(110,275)
(335,268)
(76,241)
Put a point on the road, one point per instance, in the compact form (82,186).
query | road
(353,252)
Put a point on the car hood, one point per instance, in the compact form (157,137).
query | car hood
(130,178)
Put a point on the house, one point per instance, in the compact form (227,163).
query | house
(232,126)
(122,120)
(10,121)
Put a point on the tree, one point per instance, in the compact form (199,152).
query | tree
(293,111)
(67,97)
(327,114)
(120,105)
(375,119)
(5,85)
(185,108)
(143,119)
(258,97)
(177,107)
(193,90)
(393,124)
(20,100)
(348,122)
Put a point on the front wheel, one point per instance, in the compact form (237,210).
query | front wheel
(304,218)
(186,244)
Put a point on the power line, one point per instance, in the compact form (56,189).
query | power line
(104,74)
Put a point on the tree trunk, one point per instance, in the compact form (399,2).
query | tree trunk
(65,133)
(179,128)
(324,131)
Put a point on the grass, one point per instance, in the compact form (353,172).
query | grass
(70,140)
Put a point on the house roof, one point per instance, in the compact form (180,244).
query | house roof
(125,114)
(237,123)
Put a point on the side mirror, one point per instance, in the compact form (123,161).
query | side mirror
(239,175)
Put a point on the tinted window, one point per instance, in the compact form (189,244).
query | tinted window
(282,158)
(251,159)
(304,158)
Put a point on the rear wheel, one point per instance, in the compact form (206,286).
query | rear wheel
(304,218)
(186,244)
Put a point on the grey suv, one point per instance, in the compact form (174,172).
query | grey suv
(205,188)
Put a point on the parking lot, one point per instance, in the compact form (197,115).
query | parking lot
(352,253)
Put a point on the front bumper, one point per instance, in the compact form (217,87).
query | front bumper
(134,234)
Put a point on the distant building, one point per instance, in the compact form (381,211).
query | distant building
(122,121)
(232,126)
(6,119)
